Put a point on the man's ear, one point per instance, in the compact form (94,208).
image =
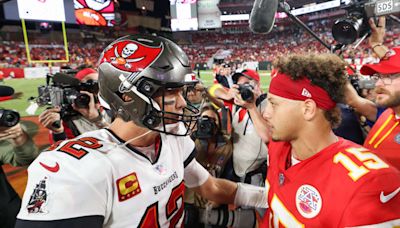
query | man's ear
(309,109)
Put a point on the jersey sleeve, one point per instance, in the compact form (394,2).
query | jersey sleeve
(187,147)
(61,186)
(379,198)
(195,174)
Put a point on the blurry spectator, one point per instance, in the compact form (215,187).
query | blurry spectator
(384,137)
(224,77)
(17,149)
(196,94)
(90,118)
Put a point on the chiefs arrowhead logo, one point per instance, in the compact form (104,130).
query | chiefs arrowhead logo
(131,56)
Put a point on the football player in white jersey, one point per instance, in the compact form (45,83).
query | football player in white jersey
(133,173)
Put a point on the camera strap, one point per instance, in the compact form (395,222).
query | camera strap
(226,122)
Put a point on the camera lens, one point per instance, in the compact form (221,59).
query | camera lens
(82,101)
(348,30)
(9,118)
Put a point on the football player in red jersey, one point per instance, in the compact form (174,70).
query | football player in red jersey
(316,179)
(132,174)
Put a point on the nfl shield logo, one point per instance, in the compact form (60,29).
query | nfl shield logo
(308,201)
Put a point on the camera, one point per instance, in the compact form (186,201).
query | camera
(8,118)
(246,92)
(361,83)
(206,128)
(355,25)
(65,91)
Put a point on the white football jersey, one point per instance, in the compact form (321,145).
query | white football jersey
(94,174)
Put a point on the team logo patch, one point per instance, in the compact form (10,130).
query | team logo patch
(308,201)
(37,202)
(397,138)
(132,56)
(128,187)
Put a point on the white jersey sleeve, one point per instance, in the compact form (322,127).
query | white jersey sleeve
(195,174)
(68,182)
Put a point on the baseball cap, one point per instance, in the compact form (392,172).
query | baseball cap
(6,91)
(390,65)
(248,73)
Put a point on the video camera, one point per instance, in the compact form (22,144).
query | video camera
(65,91)
(8,118)
(355,25)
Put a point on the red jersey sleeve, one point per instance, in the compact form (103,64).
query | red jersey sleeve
(379,198)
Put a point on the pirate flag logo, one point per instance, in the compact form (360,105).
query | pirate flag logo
(132,56)
(38,198)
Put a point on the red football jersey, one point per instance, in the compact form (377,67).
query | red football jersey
(344,185)
(384,137)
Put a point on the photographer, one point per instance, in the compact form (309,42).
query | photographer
(384,135)
(17,149)
(89,118)
(224,77)
(250,131)
(213,149)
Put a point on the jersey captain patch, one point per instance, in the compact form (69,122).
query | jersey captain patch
(128,187)
(308,201)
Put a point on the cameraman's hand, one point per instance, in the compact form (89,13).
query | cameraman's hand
(377,31)
(239,101)
(233,92)
(91,112)
(16,134)
(49,116)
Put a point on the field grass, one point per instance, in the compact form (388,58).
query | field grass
(29,89)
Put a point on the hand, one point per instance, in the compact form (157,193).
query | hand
(239,101)
(377,31)
(233,92)
(16,134)
(91,112)
(48,117)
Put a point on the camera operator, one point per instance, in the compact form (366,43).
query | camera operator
(90,118)
(384,137)
(17,149)
(250,132)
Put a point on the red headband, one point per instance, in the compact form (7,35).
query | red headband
(282,85)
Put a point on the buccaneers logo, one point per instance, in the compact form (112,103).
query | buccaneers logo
(131,56)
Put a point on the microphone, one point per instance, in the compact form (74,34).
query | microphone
(262,17)
(6,91)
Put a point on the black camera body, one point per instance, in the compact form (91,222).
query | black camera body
(246,92)
(361,83)
(65,91)
(355,25)
(8,118)
(206,128)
